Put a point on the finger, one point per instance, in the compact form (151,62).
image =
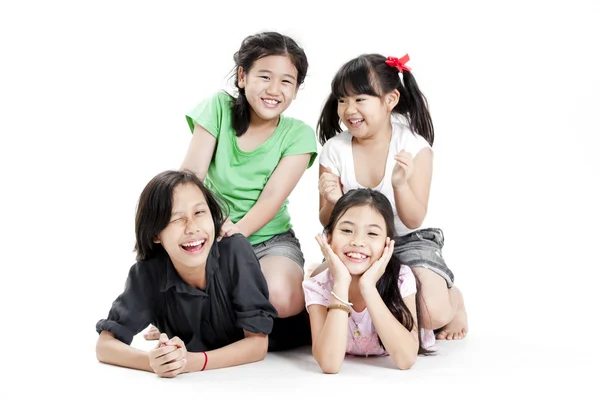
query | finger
(171,356)
(173,369)
(162,351)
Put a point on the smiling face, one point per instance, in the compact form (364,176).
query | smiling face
(358,238)
(190,233)
(366,115)
(270,85)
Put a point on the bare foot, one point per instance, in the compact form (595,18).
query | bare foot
(152,334)
(457,328)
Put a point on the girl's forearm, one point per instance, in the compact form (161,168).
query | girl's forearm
(329,348)
(410,211)
(110,350)
(400,344)
(244,351)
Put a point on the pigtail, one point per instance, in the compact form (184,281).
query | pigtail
(413,105)
(329,121)
(388,289)
(241,113)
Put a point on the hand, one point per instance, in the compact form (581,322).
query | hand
(376,270)
(403,169)
(228,229)
(169,358)
(337,268)
(330,186)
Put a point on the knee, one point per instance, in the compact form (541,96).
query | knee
(286,299)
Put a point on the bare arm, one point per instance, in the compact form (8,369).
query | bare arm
(248,350)
(401,344)
(110,350)
(279,186)
(412,197)
(200,152)
(329,333)
(325,206)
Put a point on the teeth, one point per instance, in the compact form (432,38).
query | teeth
(273,102)
(192,244)
(358,256)
(355,121)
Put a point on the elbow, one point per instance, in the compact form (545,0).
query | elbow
(101,350)
(405,361)
(415,222)
(262,348)
(328,363)
(329,367)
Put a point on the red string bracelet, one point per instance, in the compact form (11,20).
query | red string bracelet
(205,360)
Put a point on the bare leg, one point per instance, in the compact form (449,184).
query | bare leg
(284,279)
(441,308)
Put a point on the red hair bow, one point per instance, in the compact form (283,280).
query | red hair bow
(399,63)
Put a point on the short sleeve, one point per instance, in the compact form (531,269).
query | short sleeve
(250,295)
(303,141)
(407,282)
(411,142)
(317,289)
(330,158)
(209,113)
(132,311)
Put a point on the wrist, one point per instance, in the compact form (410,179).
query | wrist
(341,289)
(399,185)
(195,361)
(367,288)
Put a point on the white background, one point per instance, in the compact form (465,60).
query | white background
(93,97)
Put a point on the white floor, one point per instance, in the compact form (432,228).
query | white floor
(486,365)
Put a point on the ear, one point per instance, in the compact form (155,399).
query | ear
(241,75)
(156,240)
(328,237)
(296,92)
(391,99)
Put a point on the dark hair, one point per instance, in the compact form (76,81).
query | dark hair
(387,286)
(155,206)
(253,48)
(368,74)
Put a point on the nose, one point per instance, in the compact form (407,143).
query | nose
(273,87)
(350,109)
(357,242)
(191,226)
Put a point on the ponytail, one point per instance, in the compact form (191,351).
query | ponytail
(329,121)
(413,106)
(241,113)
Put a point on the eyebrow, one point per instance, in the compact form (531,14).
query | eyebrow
(266,71)
(353,224)
(202,203)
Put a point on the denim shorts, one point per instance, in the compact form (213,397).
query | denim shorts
(284,244)
(423,248)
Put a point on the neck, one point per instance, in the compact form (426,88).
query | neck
(193,276)
(380,138)
(257,122)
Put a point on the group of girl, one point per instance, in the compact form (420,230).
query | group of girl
(219,272)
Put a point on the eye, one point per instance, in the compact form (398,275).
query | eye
(264,77)
(201,212)
(360,100)
(346,230)
(341,101)
(288,82)
(373,234)
(177,220)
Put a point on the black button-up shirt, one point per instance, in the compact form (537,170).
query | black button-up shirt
(236,298)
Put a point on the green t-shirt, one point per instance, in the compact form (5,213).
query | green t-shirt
(238,176)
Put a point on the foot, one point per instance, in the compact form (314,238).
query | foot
(152,334)
(458,327)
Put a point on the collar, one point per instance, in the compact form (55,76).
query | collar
(172,278)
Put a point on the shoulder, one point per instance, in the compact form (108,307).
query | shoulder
(317,289)
(338,142)
(408,140)
(237,243)
(296,128)
(148,272)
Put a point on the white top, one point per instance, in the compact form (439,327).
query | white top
(337,156)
